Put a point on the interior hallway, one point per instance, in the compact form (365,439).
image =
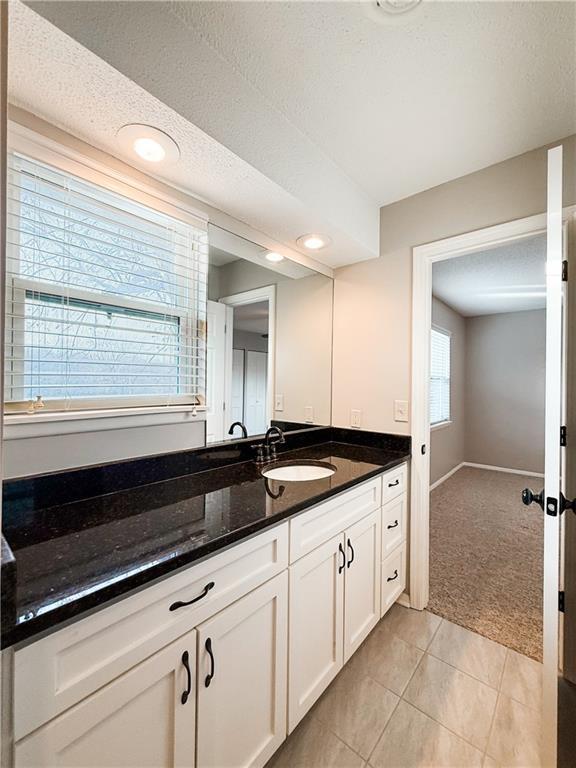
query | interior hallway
(486,551)
(422,692)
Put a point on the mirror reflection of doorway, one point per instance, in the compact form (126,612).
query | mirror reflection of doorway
(250,366)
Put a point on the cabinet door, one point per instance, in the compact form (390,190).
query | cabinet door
(316,625)
(362,590)
(140,720)
(242,663)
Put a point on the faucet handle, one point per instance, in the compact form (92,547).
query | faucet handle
(259,448)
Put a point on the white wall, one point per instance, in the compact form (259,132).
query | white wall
(304,306)
(372,300)
(448,440)
(504,392)
(250,341)
(27,451)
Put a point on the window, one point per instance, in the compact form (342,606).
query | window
(439,376)
(106,302)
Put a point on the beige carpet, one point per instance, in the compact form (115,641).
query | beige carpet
(486,557)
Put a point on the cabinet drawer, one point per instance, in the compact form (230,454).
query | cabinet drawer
(59,670)
(393,578)
(312,528)
(393,525)
(394,483)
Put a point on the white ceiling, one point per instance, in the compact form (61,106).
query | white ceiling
(307,116)
(510,278)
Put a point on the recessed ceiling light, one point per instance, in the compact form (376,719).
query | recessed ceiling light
(313,242)
(149,143)
(273,256)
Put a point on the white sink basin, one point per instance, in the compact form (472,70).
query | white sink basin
(299,471)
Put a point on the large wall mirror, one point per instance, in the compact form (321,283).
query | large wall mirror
(269,340)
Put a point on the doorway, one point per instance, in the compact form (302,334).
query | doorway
(554,225)
(250,359)
(250,340)
(487,400)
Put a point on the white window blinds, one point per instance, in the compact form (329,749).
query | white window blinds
(106,303)
(439,376)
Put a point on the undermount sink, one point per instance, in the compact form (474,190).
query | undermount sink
(299,471)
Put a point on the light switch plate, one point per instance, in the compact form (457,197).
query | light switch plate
(308,414)
(400,410)
(355,419)
(279,402)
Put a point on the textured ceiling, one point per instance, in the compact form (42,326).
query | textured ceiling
(314,93)
(56,78)
(331,112)
(510,278)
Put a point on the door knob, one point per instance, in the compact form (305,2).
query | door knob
(529,497)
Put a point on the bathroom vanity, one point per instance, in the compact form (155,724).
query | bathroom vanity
(195,620)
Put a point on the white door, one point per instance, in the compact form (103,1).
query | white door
(237,397)
(552,465)
(141,720)
(215,370)
(315,645)
(256,397)
(363,579)
(242,662)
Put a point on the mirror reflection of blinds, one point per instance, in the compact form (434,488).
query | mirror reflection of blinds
(439,376)
(106,297)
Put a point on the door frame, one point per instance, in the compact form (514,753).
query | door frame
(423,257)
(266,293)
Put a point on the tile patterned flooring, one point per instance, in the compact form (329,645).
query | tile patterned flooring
(422,692)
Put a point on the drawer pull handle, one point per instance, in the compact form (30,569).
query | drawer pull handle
(186,663)
(351,548)
(395,525)
(181,604)
(396,482)
(393,578)
(343,564)
(210,675)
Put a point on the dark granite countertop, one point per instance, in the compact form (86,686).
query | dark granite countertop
(74,556)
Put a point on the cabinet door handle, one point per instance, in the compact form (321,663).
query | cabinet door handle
(186,663)
(210,675)
(396,482)
(395,525)
(204,592)
(392,578)
(343,564)
(351,548)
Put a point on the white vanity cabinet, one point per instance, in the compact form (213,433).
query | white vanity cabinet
(334,591)
(141,720)
(316,630)
(242,679)
(214,665)
(362,582)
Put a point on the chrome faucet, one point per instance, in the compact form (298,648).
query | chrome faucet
(242,427)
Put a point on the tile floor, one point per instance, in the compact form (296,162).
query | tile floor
(423,692)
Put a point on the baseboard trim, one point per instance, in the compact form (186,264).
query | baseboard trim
(447,475)
(404,600)
(502,469)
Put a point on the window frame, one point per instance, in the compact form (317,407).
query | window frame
(68,161)
(445,422)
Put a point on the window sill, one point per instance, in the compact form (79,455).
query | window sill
(19,425)
(440,425)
